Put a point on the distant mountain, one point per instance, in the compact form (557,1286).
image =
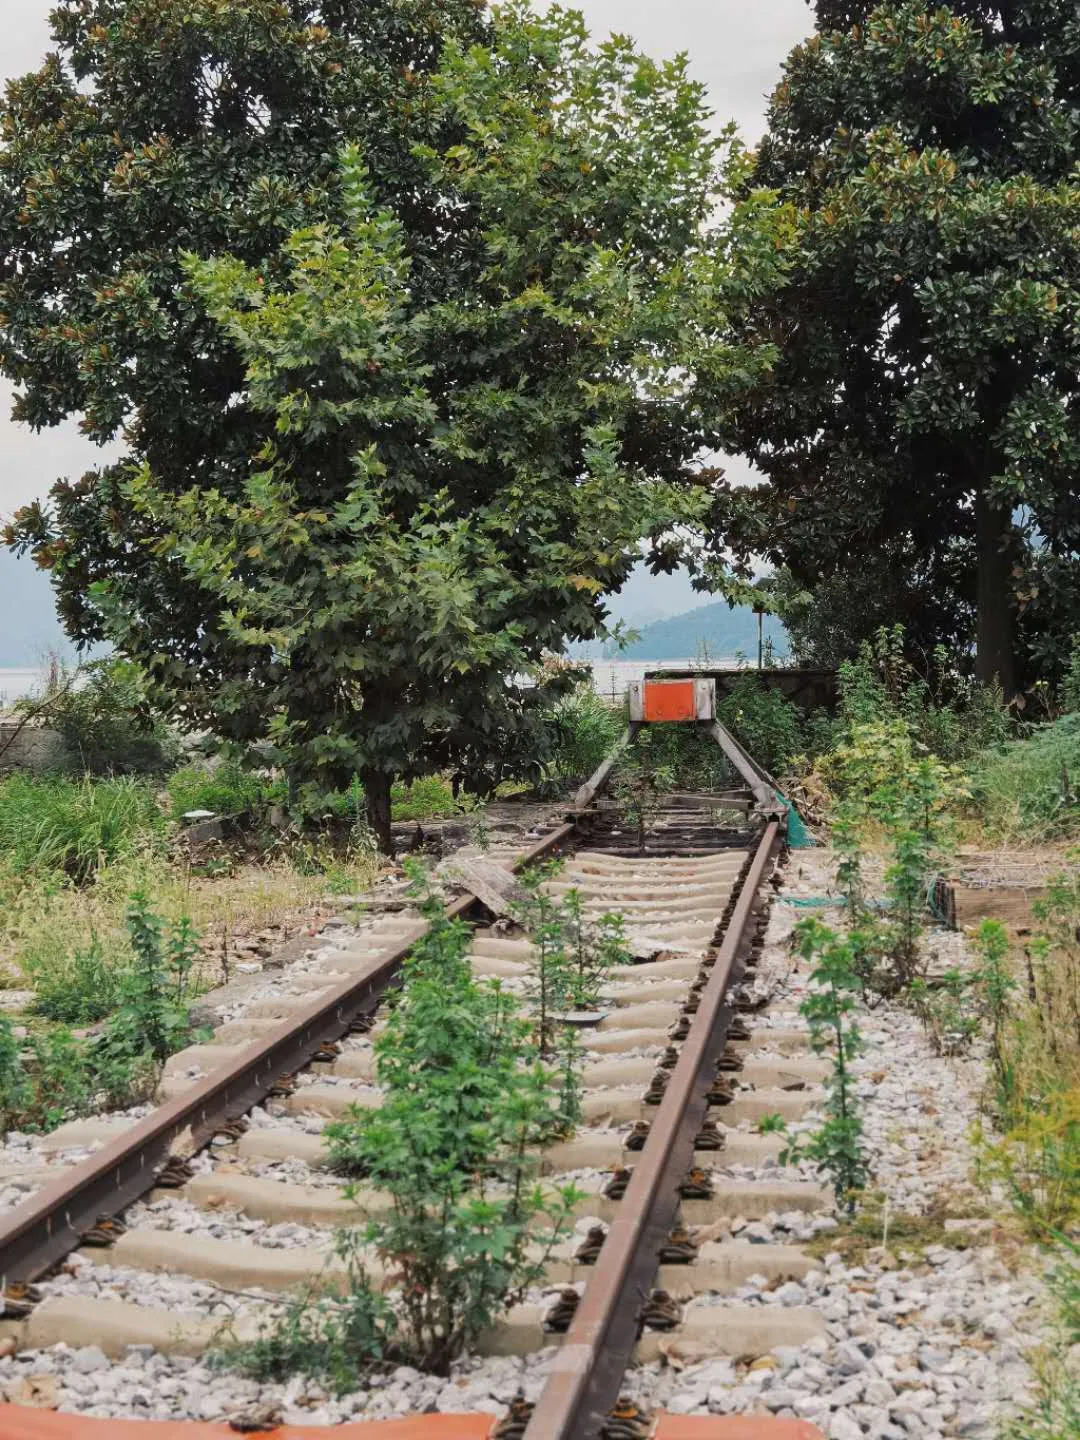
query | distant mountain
(713,632)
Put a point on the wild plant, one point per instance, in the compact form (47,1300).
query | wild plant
(885,786)
(1037,1163)
(550,980)
(642,778)
(594,948)
(1058,948)
(950,1011)
(454,1147)
(572,957)
(766,723)
(151,1021)
(997,986)
(772,1124)
(847,844)
(60,1082)
(1054,1412)
(836,1148)
(1070,685)
(80,987)
(73,829)
(59,1076)
(479,829)
(337,1337)
(913,810)
(584,730)
(13,1082)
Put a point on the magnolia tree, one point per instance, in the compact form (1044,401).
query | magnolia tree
(398,421)
(922,416)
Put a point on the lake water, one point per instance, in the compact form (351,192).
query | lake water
(611,678)
(14,684)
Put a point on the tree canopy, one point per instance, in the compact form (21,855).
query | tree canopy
(405,372)
(154,127)
(923,411)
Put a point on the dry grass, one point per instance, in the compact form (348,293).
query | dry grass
(251,910)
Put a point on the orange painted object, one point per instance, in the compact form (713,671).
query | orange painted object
(19,1422)
(22,1423)
(667,700)
(734,1427)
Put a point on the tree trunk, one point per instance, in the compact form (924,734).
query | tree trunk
(377,807)
(994,653)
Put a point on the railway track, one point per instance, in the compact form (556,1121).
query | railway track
(676,1075)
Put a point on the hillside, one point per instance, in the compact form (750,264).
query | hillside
(712,632)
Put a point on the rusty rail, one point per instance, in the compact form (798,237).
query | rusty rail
(588,1370)
(50,1224)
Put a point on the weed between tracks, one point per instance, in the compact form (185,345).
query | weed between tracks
(469,1103)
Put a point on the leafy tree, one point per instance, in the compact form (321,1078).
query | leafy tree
(923,409)
(405,433)
(155,126)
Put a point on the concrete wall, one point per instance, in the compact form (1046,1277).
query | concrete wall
(28,747)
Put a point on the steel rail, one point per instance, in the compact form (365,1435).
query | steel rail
(50,1224)
(759,780)
(588,1370)
(600,776)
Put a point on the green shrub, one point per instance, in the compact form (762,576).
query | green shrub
(60,1076)
(59,1083)
(586,729)
(685,758)
(1030,789)
(572,955)
(14,1086)
(225,788)
(764,722)
(151,1020)
(1070,686)
(75,827)
(76,987)
(428,798)
(644,775)
(881,782)
(104,718)
(836,1149)
(948,714)
(950,1011)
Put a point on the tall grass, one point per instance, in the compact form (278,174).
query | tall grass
(227,789)
(1030,789)
(585,731)
(1034,1159)
(74,828)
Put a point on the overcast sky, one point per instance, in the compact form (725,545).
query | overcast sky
(736,49)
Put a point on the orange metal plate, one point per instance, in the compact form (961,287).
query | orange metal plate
(18,1422)
(734,1427)
(670,700)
